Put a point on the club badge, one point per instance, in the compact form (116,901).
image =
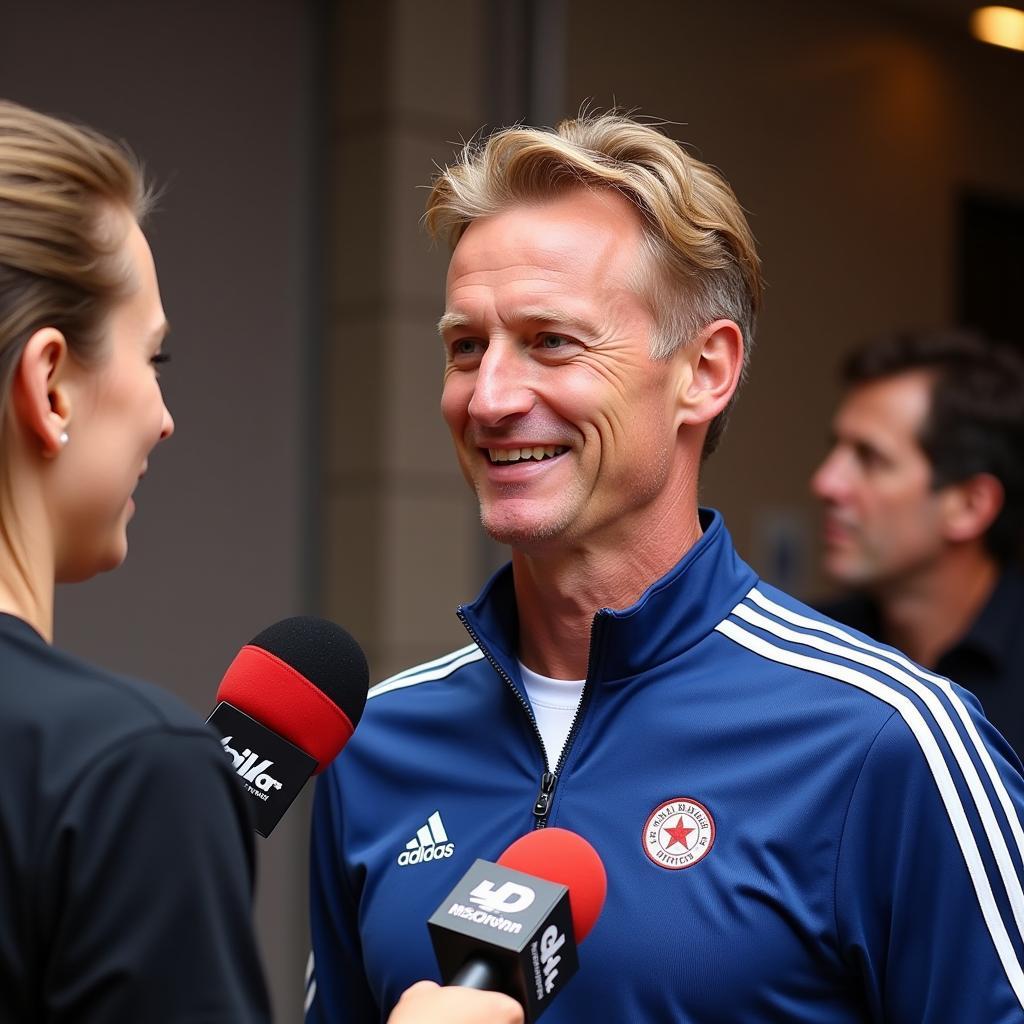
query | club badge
(678,833)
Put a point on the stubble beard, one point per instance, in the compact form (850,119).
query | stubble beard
(506,527)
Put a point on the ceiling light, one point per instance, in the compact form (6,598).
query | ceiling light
(1001,26)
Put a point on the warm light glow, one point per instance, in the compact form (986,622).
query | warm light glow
(1001,26)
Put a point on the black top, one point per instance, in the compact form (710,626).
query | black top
(988,660)
(126,854)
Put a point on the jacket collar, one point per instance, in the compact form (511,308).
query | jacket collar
(670,617)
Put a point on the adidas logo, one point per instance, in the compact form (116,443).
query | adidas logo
(431,843)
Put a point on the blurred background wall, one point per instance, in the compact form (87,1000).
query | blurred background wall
(310,470)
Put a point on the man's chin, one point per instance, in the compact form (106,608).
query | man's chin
(519,532)
(845,572)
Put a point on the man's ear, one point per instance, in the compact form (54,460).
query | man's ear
(971,506)
(715,361)
(39,393)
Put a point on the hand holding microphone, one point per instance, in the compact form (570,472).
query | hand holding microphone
(513,926)
(286,706)
(427,1003)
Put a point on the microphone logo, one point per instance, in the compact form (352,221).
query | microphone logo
(508,898)
(251,768)
(550,943)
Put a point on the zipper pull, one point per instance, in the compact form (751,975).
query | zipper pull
(547,791)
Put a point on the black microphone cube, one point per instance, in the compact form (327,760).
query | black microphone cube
(521,925)
(271,769)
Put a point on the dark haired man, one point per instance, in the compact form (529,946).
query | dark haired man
(922,491)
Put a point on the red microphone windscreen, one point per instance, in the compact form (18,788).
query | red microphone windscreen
(565,858)
(304,678)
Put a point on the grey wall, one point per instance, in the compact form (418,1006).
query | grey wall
(401,538)
(216,98)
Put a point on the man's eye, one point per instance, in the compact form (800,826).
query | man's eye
(553,341)
(465,347)
(868,457)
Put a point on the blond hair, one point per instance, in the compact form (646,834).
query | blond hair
(61,188)
(699,262)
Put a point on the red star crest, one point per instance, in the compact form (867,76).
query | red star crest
(680,834)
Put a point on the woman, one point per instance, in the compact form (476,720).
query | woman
(126,858)
(125,855)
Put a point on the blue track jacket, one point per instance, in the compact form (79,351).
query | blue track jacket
(798,824)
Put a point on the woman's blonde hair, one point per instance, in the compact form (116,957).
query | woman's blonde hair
(61,189)
(700,262)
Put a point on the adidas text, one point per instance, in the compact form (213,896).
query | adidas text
(425,853)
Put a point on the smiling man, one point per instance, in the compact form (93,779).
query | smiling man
(776,800)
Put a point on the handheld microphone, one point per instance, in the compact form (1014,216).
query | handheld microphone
(286,706)
(514,926)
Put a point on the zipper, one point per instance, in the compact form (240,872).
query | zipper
(549,778)
(542,804)
(574,725)
(512,686)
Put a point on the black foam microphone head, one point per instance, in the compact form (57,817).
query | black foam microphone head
(323,653)
(306,679)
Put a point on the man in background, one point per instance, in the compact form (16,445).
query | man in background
(922,493)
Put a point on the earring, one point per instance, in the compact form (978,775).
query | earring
(63,439)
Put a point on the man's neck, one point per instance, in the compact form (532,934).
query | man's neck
(558,594)
(927,615)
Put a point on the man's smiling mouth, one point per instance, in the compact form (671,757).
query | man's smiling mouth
(537,453)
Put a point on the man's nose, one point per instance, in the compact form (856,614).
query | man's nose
(503,385)
(829,480)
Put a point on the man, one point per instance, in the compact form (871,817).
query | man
(797,825)
(922,493)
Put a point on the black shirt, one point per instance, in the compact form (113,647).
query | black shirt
(126,855)
(988,659)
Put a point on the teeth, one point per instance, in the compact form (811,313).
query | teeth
(537,453)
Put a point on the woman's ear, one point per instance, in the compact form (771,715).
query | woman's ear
(971,506)
(39,393)
(715,360)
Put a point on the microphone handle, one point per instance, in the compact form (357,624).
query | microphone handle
(479,974)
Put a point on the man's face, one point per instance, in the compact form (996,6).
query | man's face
(562,423)
(883,520)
